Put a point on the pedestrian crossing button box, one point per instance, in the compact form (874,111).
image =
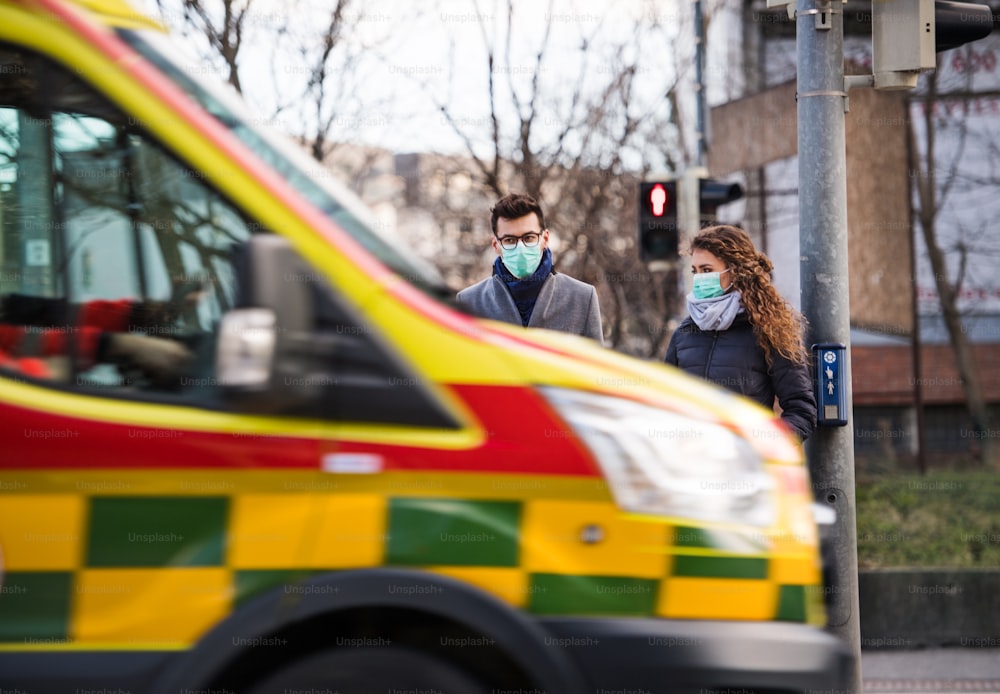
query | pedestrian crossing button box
(831,390)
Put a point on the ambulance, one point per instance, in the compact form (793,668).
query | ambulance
(247,444)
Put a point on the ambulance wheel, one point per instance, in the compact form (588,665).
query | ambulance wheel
(371,671)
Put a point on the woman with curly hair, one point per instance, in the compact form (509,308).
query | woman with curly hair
(740,333)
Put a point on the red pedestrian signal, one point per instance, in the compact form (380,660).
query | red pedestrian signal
(658,221)
(658,200)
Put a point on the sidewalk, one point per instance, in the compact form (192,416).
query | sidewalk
(932,671)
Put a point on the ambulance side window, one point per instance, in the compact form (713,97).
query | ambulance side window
(115,259)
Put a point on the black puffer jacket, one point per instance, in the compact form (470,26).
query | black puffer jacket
(733,359)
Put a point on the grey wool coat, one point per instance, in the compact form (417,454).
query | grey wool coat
(563,303)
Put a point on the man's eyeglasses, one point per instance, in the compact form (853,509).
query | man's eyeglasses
(530,240)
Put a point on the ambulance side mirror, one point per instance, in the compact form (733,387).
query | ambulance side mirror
(263,352)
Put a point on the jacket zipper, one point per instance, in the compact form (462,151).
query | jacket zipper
(711,353)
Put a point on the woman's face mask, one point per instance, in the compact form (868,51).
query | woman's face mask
(708,285)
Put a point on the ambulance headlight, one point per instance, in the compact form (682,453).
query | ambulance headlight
(661,462)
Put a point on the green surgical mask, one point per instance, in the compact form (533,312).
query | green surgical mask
(521,260)
(707,285)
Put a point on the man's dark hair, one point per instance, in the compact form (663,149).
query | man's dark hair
(515,206)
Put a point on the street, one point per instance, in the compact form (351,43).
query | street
(932,671)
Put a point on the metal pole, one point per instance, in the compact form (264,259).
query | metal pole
(688,198)
(822,100)
(699,79)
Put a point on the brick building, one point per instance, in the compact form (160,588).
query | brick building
(890,397)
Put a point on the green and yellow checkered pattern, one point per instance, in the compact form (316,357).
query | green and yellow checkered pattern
(147,570)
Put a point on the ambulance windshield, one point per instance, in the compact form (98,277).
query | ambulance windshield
(304,173)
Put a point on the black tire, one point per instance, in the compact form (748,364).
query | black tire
(370,671)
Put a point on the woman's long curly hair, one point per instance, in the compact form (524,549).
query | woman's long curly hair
(779,327)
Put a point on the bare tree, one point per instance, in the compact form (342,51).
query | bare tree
(932,190)
(575,126)
(580,148)
(223,34)
(313,53)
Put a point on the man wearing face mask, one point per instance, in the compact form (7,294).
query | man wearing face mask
(740,333)
(524,289)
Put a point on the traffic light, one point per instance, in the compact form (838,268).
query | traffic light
(908,34)
(958,23)
(713,194)
(658,220)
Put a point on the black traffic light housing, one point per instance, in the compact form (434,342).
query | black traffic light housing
(713,194)
(658,237)
(958,23)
